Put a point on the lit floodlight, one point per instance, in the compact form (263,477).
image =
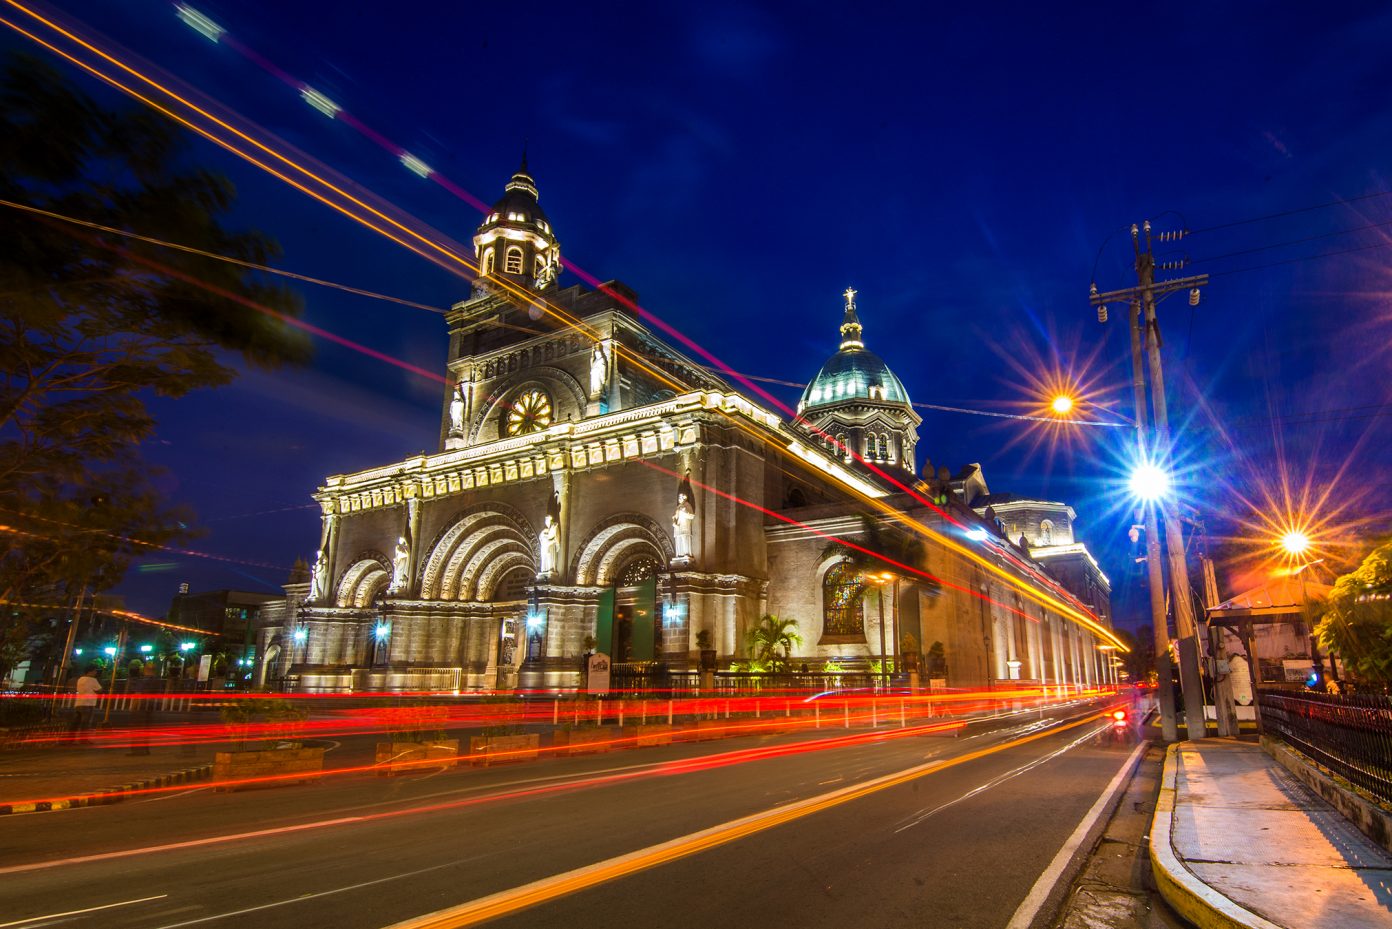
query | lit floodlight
(110,650)
(1149,482)
(382,631)
(535,619)
(1062,404)
(186,647)
(199,23)
(977,534)
(147,649)
(1295,542)
(301,634)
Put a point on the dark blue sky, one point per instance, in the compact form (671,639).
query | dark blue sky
(740,165)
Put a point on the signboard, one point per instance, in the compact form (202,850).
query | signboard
(597,674)
(1240,680)
(205,667)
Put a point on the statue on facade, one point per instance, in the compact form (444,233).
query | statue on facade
(548,269)
(599,371)
(456,411)
(319,577)
(401,566)
(550,538)
(682,523)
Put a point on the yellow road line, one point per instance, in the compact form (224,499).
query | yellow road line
(559,885)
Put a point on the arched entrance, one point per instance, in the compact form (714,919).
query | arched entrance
(637,629)
(509,599)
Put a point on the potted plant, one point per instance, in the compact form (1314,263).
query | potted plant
(908,648)
(265,736)
(415,738)
(705,645)
(503,741)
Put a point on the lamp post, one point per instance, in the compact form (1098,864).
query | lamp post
(880,580)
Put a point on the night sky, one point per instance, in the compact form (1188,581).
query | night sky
(741,165)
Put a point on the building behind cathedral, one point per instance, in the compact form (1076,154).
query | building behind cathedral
(596,488)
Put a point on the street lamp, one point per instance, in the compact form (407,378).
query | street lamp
(1149,482)
(1295,543)
(880,579)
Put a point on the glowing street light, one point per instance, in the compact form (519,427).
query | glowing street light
(1149,482)
(1062,404)
(1295,542)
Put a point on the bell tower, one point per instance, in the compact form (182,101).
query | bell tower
(515,240)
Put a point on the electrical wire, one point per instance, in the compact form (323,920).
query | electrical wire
(1310,238)
(1343,201)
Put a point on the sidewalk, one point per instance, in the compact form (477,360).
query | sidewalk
(63,776)
(1238,841)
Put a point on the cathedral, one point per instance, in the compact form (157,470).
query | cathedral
(596,490)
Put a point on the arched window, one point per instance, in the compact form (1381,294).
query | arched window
(1046,532)
(841,446)
(530,411)
(869,445)
(488,261)
(512,261)
(842,610)
(637,571)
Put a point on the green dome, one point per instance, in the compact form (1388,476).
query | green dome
(850,374)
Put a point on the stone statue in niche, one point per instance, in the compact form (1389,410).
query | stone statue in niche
(401,566)
(456,411)
(683,521)
(550,538)
(599,371)
(319,577)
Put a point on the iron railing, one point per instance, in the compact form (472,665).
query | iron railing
(1350,735)
(657,679)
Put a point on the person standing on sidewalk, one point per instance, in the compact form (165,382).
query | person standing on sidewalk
(85,705)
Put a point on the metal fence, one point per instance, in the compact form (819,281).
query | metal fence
(656,679)
(1350,735)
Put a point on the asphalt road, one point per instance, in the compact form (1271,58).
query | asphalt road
(958,845)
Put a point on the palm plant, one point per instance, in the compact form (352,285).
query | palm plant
(771,642)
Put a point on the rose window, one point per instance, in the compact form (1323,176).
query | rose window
(530,412)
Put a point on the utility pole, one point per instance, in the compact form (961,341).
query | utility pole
(1143,299)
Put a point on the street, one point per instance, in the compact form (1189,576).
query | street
(961,844)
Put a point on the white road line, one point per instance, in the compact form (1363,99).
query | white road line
(30,920)
(999,779)
(315,896)
(1034,900)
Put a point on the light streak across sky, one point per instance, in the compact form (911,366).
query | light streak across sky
(241,139)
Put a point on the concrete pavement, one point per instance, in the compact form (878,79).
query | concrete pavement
(1238,841)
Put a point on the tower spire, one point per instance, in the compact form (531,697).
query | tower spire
(850,324)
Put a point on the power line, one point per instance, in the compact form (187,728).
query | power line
(149,240)
(1291,261)
(1292,212)
(1309,238)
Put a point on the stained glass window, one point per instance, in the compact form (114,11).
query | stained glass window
(842,610)
(637,571)
(530,412)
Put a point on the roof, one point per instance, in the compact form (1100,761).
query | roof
(1278,595)
(849,375)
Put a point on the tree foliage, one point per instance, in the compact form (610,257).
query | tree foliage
(95,325)
(772,641)
(1356,622)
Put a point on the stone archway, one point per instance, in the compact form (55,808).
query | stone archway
(367,576)
(469,558)
(615,542)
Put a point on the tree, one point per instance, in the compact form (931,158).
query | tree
(772,641)
(94,325)
(1356,622)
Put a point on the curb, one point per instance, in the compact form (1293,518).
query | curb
(110,794)
(1197,902)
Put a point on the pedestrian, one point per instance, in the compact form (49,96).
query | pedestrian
(85,705)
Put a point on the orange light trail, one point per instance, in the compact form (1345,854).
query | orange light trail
(1067,606)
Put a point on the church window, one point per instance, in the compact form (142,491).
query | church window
(517,217)
(1046,532)
(512,263)
(637,571)
(884,447)
(841,445)
(842,608)
(488,257)
(530,412)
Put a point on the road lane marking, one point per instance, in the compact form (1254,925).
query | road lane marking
(568,882)
(314,896)
(996,781)
(1039,893)
(91,909)
(172,846)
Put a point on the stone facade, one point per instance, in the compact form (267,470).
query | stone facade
(593,483)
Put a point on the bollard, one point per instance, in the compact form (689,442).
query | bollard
(816,716)
(874,714)
(902,724)
(846,705)
(669,712)
(555,712)
(621,714)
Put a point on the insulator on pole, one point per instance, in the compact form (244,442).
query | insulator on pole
(1194,296)
(1102,313)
